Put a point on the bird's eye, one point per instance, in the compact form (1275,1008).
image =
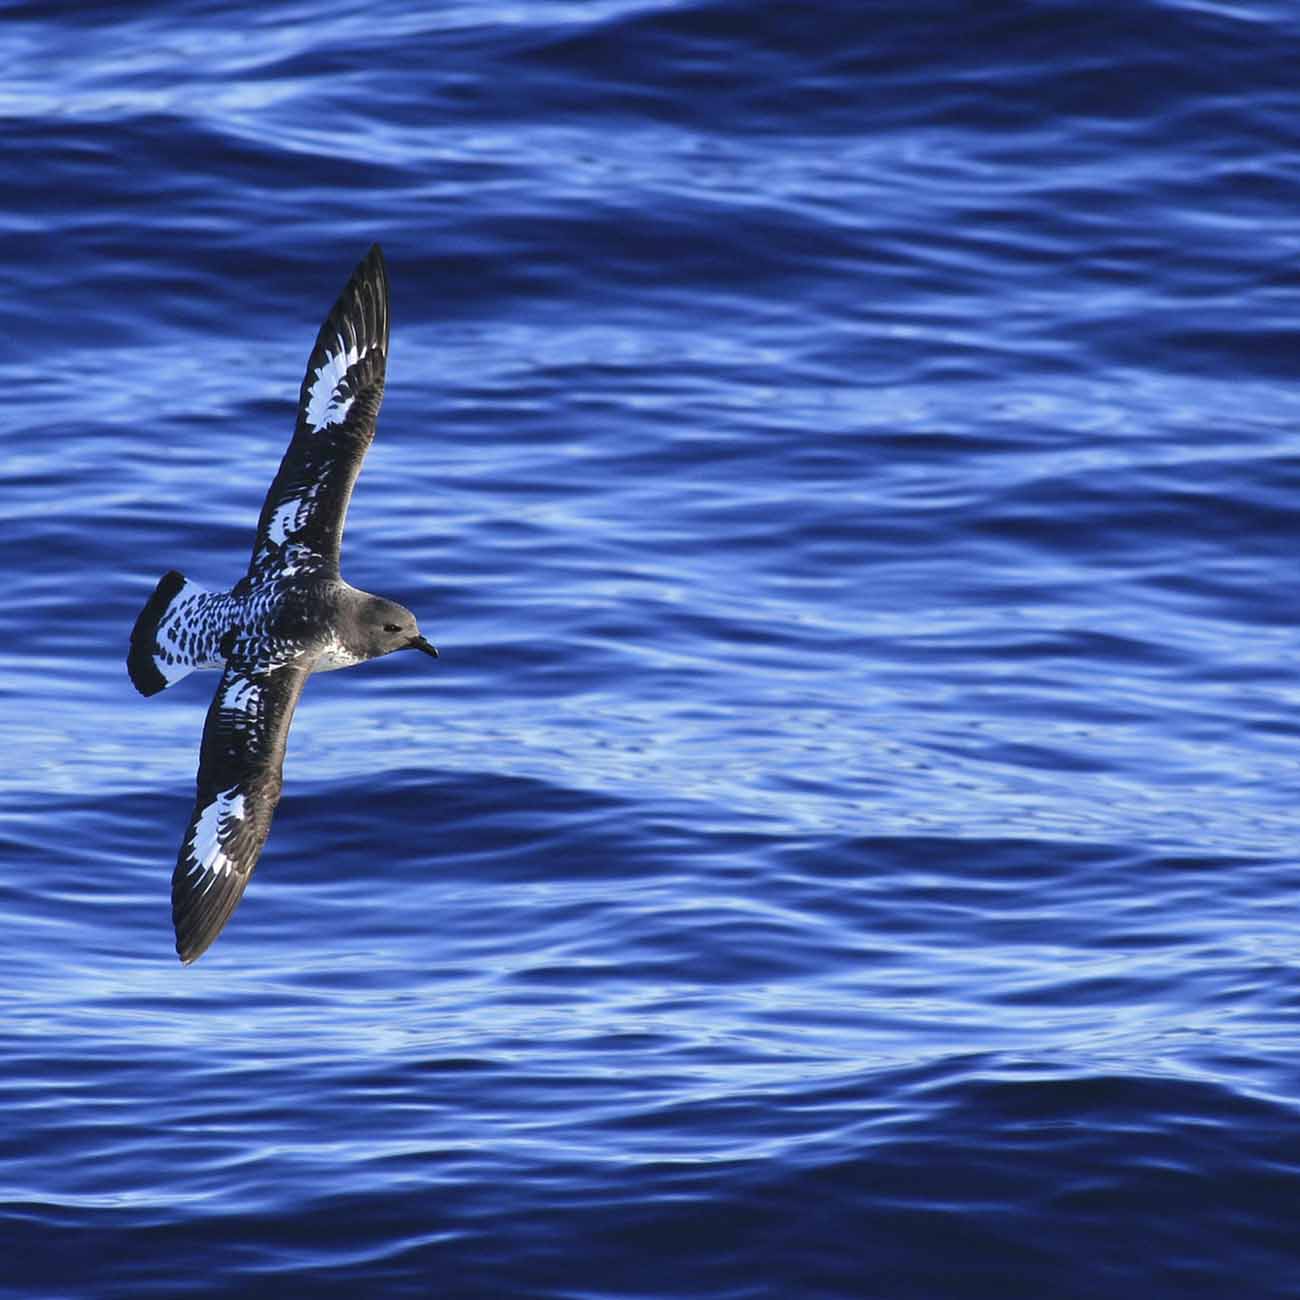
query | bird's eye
(391,627)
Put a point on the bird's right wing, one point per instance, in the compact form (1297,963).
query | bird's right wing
(301,526)
(238,788)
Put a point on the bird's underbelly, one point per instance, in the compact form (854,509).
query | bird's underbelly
(335,656)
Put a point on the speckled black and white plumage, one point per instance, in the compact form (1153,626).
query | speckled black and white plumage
(289,616)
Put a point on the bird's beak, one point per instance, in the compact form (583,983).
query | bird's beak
(419,643)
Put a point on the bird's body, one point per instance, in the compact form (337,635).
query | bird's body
(291,615)
(276,621)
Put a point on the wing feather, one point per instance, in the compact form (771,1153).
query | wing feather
(301,526)
(238,787)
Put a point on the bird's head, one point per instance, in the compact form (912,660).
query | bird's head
(387,626)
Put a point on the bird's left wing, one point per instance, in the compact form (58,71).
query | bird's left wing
(238,788)
(301,526)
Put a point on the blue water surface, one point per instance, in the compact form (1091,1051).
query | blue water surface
(848,457)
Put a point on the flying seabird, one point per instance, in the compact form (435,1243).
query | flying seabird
(289,616)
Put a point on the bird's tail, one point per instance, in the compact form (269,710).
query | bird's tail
(161,644)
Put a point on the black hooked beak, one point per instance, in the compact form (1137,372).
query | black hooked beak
(419,643)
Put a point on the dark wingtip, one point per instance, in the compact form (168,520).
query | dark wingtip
(375,270)
(372,267)
(359,315)
(198,921)
(363,302)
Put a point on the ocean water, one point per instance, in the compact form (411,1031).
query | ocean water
(848,457)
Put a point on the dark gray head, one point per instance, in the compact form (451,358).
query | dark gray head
(383,626)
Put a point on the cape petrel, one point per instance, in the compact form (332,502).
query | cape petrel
(289,616)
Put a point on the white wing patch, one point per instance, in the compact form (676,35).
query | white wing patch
(290,515)
(325,406)
(284,521)
(243,696)
(214,823)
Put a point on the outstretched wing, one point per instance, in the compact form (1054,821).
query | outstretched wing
(238,788)
(301,526)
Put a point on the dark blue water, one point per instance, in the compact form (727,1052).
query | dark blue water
(849,459)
